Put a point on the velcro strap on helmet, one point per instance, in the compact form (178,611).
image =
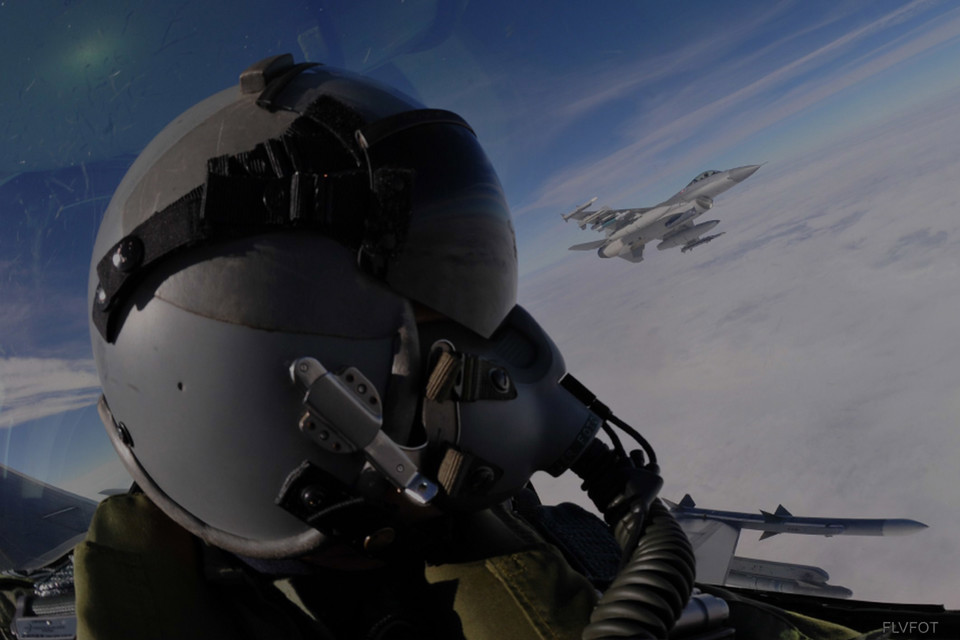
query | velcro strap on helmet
(466,377)
(443,377)
(464,474)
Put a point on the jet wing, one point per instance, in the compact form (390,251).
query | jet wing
(604,218)
(38,522)
(615,219)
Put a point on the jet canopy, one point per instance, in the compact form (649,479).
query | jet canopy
(705,174)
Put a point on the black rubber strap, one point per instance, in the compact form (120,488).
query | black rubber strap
(230,206)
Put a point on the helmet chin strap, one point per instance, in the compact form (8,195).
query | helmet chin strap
(456,377)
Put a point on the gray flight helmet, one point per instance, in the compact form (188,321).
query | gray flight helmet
(251,293)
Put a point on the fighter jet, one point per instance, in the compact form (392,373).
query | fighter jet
(671,221)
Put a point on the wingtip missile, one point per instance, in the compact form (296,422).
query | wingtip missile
(783,521)
(580,209)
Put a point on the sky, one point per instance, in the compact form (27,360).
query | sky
(808,361)
(805,358)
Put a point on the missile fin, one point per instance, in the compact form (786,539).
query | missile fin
(687,501)
(769,517)
(782,511)
(768,534)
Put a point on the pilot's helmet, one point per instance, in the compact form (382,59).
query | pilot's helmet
(255,291)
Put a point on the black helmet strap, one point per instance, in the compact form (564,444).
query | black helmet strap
(273,187)
(231,205)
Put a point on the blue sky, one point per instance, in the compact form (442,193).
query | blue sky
(622,100)
(741,87)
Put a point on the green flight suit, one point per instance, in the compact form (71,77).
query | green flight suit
(139,575)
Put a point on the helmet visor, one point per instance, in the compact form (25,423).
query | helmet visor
(457,254)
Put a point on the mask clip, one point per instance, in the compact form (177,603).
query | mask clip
(465,377)
(344,414)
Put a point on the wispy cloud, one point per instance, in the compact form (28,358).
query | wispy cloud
(32,388)
(590,92)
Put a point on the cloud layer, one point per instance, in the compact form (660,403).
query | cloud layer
(807,357)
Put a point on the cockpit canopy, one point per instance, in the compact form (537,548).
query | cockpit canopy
(705,174)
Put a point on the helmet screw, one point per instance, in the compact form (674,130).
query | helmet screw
(311,497)
(101,296)
(128,255)
(481,478)
(500,379)
(124,434)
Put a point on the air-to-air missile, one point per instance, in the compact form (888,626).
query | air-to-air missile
(782,521)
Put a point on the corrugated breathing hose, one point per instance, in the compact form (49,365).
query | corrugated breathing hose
(656,577)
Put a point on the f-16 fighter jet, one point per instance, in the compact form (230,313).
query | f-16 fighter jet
(671,221)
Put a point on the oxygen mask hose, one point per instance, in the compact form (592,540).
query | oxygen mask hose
(657,572)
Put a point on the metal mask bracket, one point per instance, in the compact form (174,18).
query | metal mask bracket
(344,414)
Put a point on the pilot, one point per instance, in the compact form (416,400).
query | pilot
(303,315)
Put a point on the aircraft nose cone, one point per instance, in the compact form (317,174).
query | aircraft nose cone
(902,527)
(742,173)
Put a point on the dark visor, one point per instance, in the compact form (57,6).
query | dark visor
(457,253)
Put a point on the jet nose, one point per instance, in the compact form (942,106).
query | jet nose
(742,173)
